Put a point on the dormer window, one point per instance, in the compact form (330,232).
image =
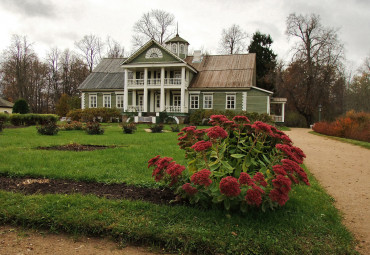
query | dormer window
(174,48)
(182,49)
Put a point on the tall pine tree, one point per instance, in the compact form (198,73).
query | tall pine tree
(265,59)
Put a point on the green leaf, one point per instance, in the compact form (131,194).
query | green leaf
(237,155)
(227,165)
(213,154)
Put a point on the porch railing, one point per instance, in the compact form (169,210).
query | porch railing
(154,82)
(173,108)
(172,81)
(135,108)
(277,118)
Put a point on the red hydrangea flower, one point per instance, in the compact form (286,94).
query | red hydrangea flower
(189,189)
(230,186)
(290,167)
(202,177)
(260,126)
(253,197)
(201,146)
(279,169)
(152,161)
(241,119)
(260,179)
(293,153)
(216,132)
(217,119)
(174,170)
(282,183)
(244,178)
(189,128)
(286,139)
(277,196)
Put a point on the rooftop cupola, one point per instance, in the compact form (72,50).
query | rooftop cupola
(178,46)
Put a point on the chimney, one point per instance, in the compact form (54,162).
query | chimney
(197,56)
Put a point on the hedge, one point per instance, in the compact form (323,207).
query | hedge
(32,119)
(4,117)
(94,114)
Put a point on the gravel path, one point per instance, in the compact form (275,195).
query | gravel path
(16,241)
(344,171)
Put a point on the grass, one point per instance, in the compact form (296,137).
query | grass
(308,224)
(345,140)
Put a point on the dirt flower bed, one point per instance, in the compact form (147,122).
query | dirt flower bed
(111,191)
(76,147)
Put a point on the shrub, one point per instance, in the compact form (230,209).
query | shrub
(156,128)
(62,107)
(50,128)
(129,128)
(175,128)
(94,114)
(294,119)
(233,164)
(21,106)
(94,128)
(74,125)
(1,125)
(4,117)
(352,125)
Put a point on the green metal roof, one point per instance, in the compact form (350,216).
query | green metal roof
(177,38)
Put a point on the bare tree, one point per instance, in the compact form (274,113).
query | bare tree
(114,48)
(90,48)
(53,58)
(156,25)
(315,74)
(233,40)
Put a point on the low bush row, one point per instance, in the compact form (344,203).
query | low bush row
(201,117)
(32,119)
(353,125)
(95,114)
(74,125)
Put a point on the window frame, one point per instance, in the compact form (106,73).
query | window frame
(119,101)
(227,101)
(90,100)
(204,101)
(174,48)
(105,101)
(191,101)
(179,100)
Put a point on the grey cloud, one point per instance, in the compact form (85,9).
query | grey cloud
(29,8)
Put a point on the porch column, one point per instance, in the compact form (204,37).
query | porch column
(145,90)
(168,95)
(134,97)
(152,100)
(283,112)
(183,89)
(162,106)
(125,99)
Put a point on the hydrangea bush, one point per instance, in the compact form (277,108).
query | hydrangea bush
(234,163)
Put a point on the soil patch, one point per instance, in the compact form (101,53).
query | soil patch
(111,191)
(76,147)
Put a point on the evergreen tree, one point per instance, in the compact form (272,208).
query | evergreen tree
(62,107)
(265,59)
(21,106)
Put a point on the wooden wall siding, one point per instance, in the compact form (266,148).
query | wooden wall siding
(224,71)
(256,103)
(166,57)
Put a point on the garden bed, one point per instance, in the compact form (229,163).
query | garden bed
(28,186)
(76,147)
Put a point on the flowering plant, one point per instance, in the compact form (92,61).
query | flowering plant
(234,163)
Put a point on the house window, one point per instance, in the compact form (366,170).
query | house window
(119,101)
(176,100)
(130,75)
(230,101)
(207,101)
(174,48)
(93,101)
(182,49)
(157,101)
(194,101)
(107,101)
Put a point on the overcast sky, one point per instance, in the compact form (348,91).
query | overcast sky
(59,23)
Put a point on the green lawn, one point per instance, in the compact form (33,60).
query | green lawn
(345,140)
(308,224)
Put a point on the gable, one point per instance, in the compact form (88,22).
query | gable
(154,54)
